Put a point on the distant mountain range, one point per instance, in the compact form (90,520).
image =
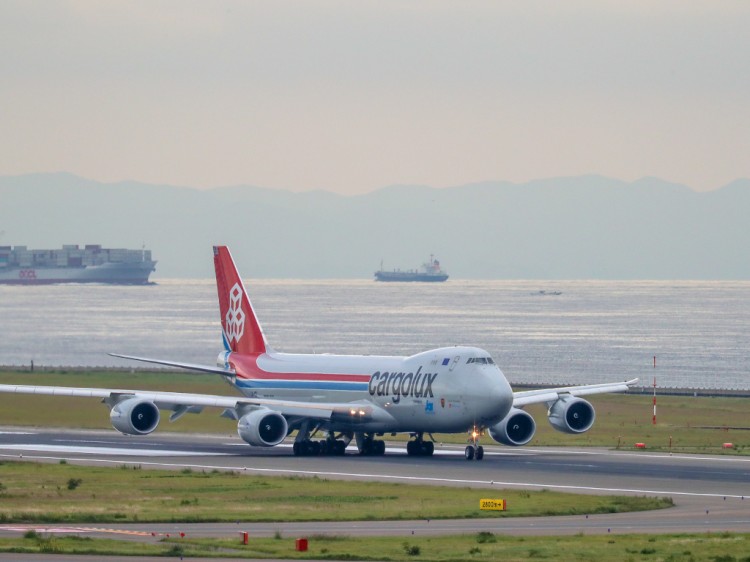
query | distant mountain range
(587,227)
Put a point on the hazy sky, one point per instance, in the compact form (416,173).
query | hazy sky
(352,96)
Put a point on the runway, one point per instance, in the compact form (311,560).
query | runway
(711,493)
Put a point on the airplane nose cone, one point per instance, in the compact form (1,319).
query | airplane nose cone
(495,397)
(503,395)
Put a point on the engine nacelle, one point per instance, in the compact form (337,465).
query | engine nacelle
(517,428)
(571,415)
(134,416)
(262,428)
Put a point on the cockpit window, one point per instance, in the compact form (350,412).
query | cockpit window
(481,360)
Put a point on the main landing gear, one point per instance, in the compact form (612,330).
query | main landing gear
(475,450)
(419,447)
(369,446)
(332,445)
(310,448)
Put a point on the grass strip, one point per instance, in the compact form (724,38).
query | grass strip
(64,493)
(714,547)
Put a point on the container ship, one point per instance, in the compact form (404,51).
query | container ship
(72,264)
(429,272)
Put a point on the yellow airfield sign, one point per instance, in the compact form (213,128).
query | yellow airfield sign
(496,505)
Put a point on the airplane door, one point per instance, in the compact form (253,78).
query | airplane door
(454,362)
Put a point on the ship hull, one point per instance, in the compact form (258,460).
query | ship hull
(403,276)
(114,273)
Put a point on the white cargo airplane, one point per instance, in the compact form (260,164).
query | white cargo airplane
(448,390)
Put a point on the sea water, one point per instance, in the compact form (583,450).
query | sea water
(556,332)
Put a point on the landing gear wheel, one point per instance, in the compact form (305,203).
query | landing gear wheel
(372,447)
(304,448)
(474,453)
(310,448)
(340,448)
(420,449)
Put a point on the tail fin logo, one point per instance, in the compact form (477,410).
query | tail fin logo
(235,318)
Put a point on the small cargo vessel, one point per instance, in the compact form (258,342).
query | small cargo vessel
(429,272)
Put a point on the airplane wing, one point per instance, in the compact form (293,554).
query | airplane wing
(181,402)
(526,397)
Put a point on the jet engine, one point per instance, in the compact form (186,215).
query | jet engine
(134,416)
(262,428)
(571,415)
(517,428)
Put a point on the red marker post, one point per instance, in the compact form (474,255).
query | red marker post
(653,419)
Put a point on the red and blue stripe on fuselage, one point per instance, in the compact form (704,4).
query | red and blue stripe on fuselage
(250,375)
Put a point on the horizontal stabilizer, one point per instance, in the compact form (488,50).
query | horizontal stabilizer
(178,364)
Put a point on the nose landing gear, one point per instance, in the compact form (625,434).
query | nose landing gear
(475,450)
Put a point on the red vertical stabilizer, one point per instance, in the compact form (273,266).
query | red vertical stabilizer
(240,327)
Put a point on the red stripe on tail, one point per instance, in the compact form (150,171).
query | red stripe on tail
(241,328)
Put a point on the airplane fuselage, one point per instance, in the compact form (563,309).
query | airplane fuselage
(449,389)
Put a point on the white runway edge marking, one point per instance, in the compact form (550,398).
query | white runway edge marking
(106,451)
(424,479)
(632,454)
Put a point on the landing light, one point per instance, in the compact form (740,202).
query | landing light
(476,432)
